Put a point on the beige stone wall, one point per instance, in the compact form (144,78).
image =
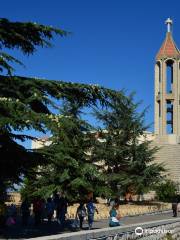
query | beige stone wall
(124,210)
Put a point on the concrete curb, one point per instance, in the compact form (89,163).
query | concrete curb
(90,234)
(150,213)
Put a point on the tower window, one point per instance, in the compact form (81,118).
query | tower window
(159,104)
(169,117)
(159,72)
(169,76)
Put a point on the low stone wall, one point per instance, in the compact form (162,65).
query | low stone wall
(156,230)
(124,210)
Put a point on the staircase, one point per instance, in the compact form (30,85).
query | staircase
(169,154)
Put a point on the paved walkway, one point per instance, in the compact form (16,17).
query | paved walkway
(45,229)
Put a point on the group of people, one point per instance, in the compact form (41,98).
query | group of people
(90,209)
(87,211)
(41,209)
(56,206)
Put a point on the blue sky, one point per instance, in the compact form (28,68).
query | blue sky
(113,44)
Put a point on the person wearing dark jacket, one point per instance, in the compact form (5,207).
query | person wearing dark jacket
(175,207)
(37,209)
(25,211)
(62,210)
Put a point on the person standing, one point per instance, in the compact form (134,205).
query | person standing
(114,216)
(37,209)
(3,213)
(91,208)
(50,209)
(43,209)
(62,210)
(81,214)
(11,215)
(175,207)
(56,203)
(25,212)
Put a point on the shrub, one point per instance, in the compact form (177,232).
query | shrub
(166,191)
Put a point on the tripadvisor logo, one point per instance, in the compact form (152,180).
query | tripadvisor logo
(139,231)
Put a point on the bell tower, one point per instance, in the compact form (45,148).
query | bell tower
(167,90)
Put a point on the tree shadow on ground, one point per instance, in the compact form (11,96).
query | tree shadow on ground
(17,231)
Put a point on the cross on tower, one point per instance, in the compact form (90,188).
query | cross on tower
(169,23)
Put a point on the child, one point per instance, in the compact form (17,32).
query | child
(81,214)
(114,216)
(91,208)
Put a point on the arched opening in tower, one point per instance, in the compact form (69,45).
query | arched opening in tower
(169,76)
(158,69)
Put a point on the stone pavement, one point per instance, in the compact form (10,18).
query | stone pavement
(45,229)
